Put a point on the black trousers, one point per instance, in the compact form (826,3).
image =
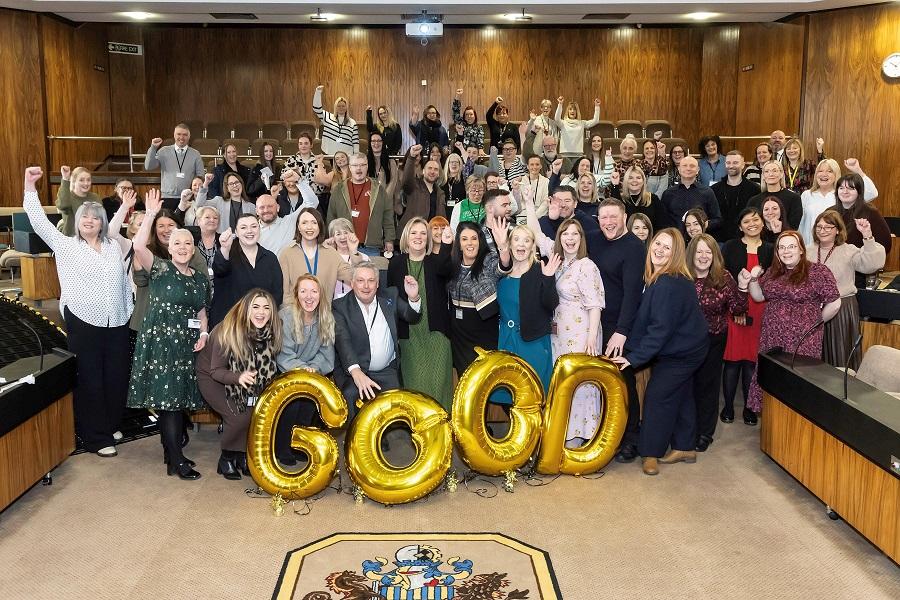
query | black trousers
(633,425)
(707,380)
(102,382)
(669,414)
(388,378)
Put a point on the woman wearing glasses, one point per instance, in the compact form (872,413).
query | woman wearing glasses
(798,293)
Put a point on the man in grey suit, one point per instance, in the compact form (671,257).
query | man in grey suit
(178,165)
(366,340)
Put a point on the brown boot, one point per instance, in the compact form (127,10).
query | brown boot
(650,465)
(674,456)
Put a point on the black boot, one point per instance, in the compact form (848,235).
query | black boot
(749,417)
(241,463)
(170,430)
(227,468)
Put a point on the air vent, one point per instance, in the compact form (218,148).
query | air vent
(234,16)
(605,16)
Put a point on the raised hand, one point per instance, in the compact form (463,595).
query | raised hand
(552,208)
(207,179)
(596,101)
(368,107)
(552,265)
(853,165)
(129,199)
(657,135)
(532,115)
(461,147)
(415,151)
(560,100)
(415,110)
(820,145)
(32,174)
(459,92)
(411,287)
(276,188)
(446,235)
(226,238)
(615,177)
(756,273)
(352,243)
(743,279)
(497,225)
(156,142)
(186,196)
(774,225)
(864,227)
(320,88)
(499,99)
(66,172)
(153,201)
(556,165)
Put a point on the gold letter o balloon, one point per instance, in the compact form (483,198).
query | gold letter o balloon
(570,371)
(321,448)
(431,437)
(480,451)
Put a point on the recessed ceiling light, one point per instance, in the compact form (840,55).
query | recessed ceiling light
(320,17)
(138,15)
(701,16)
(520,17)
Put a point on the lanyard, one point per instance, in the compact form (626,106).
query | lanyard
(183,153)
(357,196)
(792,174)
(312,269)
(370,326)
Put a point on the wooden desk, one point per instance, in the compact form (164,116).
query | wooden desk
(39,278)
(893,257)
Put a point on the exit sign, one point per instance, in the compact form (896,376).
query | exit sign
(123,48)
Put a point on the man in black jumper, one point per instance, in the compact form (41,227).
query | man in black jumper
(562,205)
(619,255)
(732,193)
(689,194)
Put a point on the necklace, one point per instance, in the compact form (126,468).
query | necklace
(827,256)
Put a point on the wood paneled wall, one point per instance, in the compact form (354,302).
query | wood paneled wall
(22,123)
(848,101)
(271,74)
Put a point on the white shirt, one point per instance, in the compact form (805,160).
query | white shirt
(94,286)
(276,236)
(381,344)
(816,202)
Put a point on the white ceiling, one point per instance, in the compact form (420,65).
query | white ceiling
(460,12)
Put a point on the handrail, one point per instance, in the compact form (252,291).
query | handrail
(752,137)
(95,138)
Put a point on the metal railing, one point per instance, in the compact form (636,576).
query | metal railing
(100,138)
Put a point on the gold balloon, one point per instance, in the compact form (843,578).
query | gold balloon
(320,446)
(431,437)
(570,371)
(480,451)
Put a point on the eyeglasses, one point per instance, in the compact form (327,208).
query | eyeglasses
(824,227)
(789,247)
(234,183)
(359,164)
(509,149)
(126,187)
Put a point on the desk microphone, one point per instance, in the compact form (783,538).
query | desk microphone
(38,338)
(802,338)
(853,350)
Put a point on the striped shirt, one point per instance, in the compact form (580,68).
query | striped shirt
(336,134)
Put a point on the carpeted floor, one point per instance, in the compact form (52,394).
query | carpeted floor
(733,525)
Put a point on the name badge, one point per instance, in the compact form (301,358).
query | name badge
(354,213)
(459,313)
(251,401)
(451,202)
(210,272)
(179,175)
(194,323)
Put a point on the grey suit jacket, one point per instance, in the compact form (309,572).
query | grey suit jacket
(164,159)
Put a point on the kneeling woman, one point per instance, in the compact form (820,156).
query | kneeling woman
(669,330)
(235,367)
(175,326)
(308,333)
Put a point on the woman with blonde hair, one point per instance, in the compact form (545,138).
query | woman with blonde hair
(339,132)
(670,330)
(72,195)
(822,193)
(798,169)
(343,239)
(452,182)
(720,298)
(635,194)
(588,196)
(235,367)
(430,336)
(572,126)
(387,126)
(541,125)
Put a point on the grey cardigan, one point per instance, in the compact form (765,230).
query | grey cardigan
(310,352)
(164,159)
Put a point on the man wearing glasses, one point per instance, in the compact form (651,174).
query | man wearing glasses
(112,203)
(510,166)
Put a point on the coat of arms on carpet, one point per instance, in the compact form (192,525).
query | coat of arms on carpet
(422,566)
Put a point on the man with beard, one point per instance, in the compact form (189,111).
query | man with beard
(732,193)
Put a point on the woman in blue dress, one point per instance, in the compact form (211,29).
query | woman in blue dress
(527,297)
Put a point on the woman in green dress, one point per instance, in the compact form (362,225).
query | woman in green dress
(175,326)
(470,209)
(425,357)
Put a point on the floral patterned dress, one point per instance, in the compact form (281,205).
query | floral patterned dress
(790,311)
(580,289)
(162,375)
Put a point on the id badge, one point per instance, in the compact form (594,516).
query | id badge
(354,213)
(459,313)
(251,401)
(194,323)
(179,175)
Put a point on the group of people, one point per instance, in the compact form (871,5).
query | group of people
(386,276)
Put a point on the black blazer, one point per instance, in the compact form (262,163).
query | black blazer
(735,254)
(235,277)
(791,201)
(537,301)
(351,337)
(221,170)
(438,271)
(392,136)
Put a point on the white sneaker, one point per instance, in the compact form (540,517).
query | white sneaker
(107,452)
(118,435)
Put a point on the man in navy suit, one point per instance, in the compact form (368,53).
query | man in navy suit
(367,350)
